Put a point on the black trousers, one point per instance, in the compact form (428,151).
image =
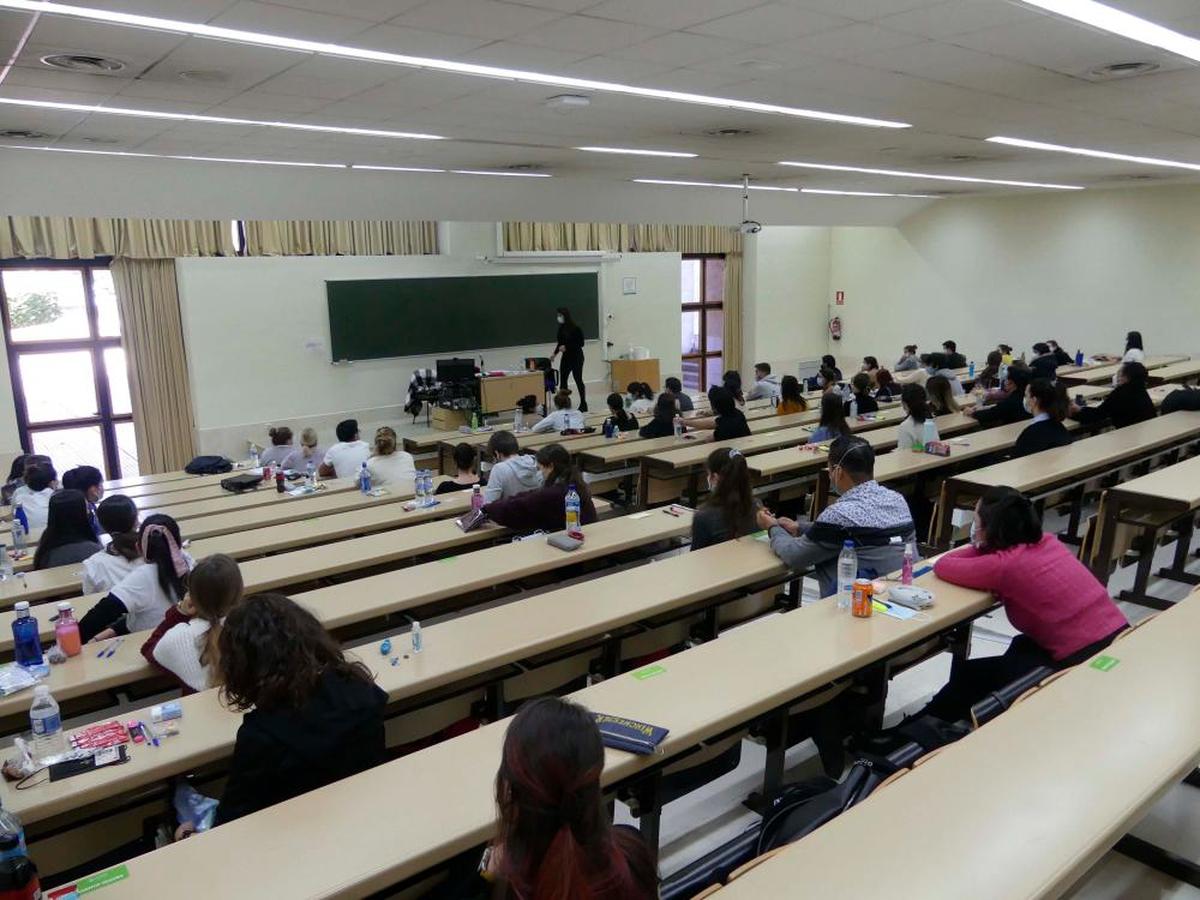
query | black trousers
(973,679)
(572,365)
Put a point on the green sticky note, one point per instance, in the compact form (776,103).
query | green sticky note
(648,672)
(102,879)
(1105,663)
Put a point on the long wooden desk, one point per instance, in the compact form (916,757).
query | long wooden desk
(226,501)
(1181,372)
(1066,466)
(1106,373)
(1022,808)
(699,694)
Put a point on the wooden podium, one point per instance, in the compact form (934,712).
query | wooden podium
(498,393)
(627,370)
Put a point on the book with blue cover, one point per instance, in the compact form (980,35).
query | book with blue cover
(630,735)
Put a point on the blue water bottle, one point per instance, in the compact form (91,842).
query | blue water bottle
(971,370)
(364,479)
(1079,357)
(27,645)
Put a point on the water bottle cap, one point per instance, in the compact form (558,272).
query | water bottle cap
(64,606)
(849,544)
(41,690)
(22,606)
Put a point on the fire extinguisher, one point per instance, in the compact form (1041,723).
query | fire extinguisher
(835,328)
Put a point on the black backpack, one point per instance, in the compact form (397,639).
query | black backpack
(208,465)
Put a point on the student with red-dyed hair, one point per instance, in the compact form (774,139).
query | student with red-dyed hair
(554,838)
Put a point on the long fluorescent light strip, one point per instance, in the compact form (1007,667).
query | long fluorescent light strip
(633,152)
(867,194)
(216,120)
(1095,154)
(502,174)
(397,169)
(1126,25)
(196,29)
(714,184)
(896,173)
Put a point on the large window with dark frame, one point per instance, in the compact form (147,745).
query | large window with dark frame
(702,292)
(70,382)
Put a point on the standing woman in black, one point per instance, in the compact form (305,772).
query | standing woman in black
(570,345)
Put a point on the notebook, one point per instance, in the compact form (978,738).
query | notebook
(620,733)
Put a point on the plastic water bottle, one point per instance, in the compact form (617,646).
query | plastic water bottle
(971,369)
(310,474)
(928,432)
(1079,357)
(418,642)
(66,630)
(853,408)
(46,723)
(419,487)
(476,499)
(678,426)
(910,555)
(516,419)
(6,565)
(364,478)
(573,504)
(20,528)
(27,645)
(847,572)
(1003,374)
(255,459)
(18,874)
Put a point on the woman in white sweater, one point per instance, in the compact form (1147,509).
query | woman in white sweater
(911,434)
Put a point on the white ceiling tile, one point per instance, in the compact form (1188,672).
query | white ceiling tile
(185,10)
(682,48)
(164,89)
(564,6)
(370,10)
(519,56)
(670,14)
(860,40)
(966,68)
(51,81)
(415,90)
(864,10)
(329,77)
(947,19)
(127,44)
(415,42)
(254,104)
(769,24)
(590,35)
(605,68)
(476,18)
(241,64)
(685,79)
(283,20)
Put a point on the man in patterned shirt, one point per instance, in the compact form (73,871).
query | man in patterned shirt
(875,518)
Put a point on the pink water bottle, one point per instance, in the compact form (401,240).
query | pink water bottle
(476,499)
(66,630)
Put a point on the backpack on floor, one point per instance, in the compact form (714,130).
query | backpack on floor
(208,465)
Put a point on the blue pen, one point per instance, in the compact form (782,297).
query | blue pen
(924,570)
(113,647)
(150,734)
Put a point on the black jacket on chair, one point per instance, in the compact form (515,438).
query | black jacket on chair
(1010,409)
(1044,435)
(1127,405)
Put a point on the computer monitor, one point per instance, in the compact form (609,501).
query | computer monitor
(450,371)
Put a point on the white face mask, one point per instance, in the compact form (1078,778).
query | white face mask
(1028,406)
(975,542)
(561,320)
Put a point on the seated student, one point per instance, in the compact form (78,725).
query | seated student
(641,397)
(830,363)
(941,396)
(16,478)
(554,839)
(527,410)
(1044,364)
(139,601)
(389,465)
(875,518)
(663,422)
(1061,356)
(118,516)
(344,458)
(622,419)
(1064,614)
(1047,403)
(860,385)
(729,421)
(729,510)
(1006,354)
(1128,404)
(870,366)
(68,537)
(791,397)
(954,359)
(513,472)
(732,382)
(311,716)
(908,361)
(674,387)
(938,365)
(466,476)
(90,481)
(1012,407)
(545,508)
(911,435)
(281,446)
(833,422)
(919,375)
(1135,352)
(308,451)
(184,645)
(563,418)
(1187,398)
(766,385)
(34,495)
(887,389)
(988,378)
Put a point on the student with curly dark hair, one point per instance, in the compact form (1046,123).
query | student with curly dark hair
(312,716)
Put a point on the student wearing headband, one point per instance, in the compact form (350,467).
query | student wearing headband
(876,519)
(140,600)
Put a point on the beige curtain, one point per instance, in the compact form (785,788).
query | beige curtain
(148,299)
(82,237)
(685,239)
(340,238)
(733,311)
(532,236)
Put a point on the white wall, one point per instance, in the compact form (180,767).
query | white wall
(247,323)
(1082,268)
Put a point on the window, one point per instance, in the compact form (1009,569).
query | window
(70,383)
(702,293)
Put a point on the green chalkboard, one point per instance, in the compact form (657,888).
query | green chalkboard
(386,317)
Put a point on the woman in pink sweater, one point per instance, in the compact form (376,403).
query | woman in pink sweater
(1064,614)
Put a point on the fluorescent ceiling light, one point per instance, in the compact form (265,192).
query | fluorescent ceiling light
(866,194)
(1126,25)
(1095,154)
(632,152)
(714,184)
(220,159)
(503,174)
(196,29)
(396,168)
(895,173)
(215,120)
